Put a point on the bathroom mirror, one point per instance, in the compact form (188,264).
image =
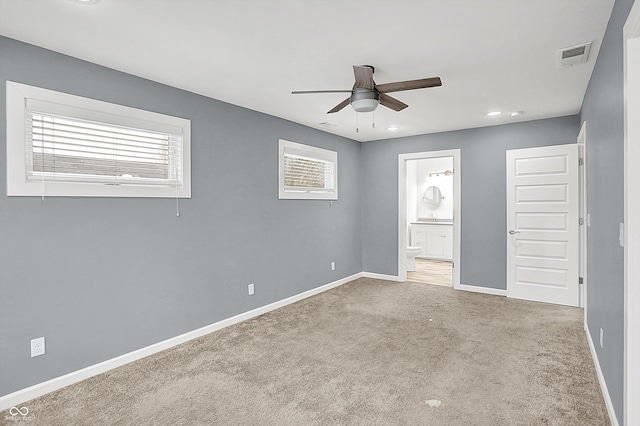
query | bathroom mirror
(432,197)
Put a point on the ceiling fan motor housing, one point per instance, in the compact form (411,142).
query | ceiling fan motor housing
(364,100)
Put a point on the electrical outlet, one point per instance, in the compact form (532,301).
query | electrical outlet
(252,289)
(601,337)
(333,266)
(37,347)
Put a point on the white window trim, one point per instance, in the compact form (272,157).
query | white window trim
(312,152)
(17,183)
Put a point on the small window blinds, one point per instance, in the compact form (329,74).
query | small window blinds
(63,145)
(307,172)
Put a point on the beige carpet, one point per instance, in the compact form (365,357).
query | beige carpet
(368,353)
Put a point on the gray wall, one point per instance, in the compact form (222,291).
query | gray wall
(603,109)
(102,277)
(483,187)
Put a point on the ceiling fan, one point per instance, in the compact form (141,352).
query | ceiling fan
(366,94)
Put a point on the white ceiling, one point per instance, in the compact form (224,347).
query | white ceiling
(490,54)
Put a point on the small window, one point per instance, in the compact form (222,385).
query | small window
(65,145)
(307,172)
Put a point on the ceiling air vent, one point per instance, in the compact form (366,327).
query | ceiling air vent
(573,55)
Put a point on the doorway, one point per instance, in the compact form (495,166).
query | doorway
(430,271)
(429,217)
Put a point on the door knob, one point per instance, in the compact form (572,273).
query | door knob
(511,231)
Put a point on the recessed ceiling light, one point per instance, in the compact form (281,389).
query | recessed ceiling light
(516,113)
(492,113)
(393,127)
(86,1)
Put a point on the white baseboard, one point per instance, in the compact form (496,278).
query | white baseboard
(381,276)
(27,394)
(485,290)
(603,384)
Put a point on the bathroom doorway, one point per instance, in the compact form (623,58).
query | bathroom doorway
(429,271)
(429,218)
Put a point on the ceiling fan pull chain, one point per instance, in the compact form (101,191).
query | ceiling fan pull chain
(357,122)
(373,119)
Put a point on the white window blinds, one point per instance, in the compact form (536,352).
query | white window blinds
(307,172)
(64,146)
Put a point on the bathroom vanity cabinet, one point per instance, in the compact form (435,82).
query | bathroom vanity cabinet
(435,240)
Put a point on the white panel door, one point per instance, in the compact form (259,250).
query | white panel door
(542,224)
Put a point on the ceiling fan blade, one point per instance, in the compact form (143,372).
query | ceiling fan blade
(340,106)
(364,77)
(392,103)
(409,85)
(304,92)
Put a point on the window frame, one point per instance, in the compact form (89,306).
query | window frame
(17,95)
(313,153)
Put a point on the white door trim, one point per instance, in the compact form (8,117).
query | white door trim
(402,209)
(582,183)
(631,40)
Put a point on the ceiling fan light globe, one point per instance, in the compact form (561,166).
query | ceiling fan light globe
(365,100)
(365,105)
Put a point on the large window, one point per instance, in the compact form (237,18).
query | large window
(65,145)
(307,172)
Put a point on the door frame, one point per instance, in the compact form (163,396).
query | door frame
(631,66)
(402,209)
(583,214)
